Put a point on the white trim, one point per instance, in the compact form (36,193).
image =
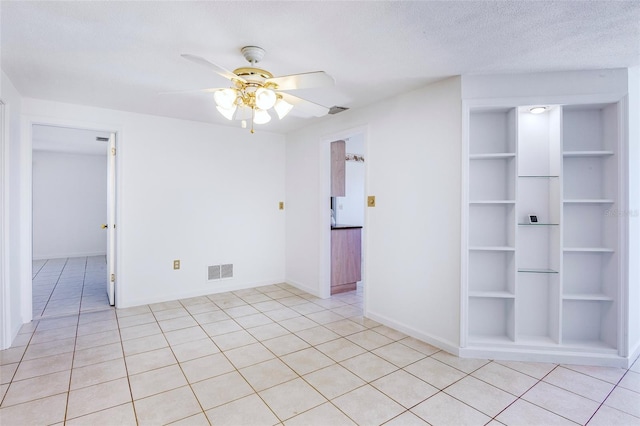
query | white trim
(623,241)
(26,195)
(438,342)
(5,327)
(303,287)
(165,297)
(545,354)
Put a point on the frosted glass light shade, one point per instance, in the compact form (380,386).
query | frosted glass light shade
(227,112)
(261,117)
(225,98)
(265,98)
(282,107)
(538,110)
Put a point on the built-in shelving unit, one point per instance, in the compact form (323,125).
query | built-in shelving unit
(551,284)
(590,232)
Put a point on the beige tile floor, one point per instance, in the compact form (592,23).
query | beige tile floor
(276,355)
(69,286)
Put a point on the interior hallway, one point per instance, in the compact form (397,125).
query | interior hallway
(69,286)
(276,355)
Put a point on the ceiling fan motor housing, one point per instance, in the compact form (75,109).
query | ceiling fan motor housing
(253,54)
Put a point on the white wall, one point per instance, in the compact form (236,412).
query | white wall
(350,208)
(412,236)
(201,193)
(11,313)
(69,205)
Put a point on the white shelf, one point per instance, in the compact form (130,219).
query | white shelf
(492,156)
(588,250)
(482,340)
(587,153)
(589,297)
(537,271)
(492,294)
(492,202)
(590,201)
(528,340)
(492,248)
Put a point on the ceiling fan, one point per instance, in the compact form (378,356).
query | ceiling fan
(256,91)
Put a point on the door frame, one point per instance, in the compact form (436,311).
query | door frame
(324,227)
(26,195)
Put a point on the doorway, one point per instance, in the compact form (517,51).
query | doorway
(72,195)
(347,208)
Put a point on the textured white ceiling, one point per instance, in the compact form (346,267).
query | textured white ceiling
(122,54)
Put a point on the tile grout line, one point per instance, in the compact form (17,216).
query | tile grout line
(291,333)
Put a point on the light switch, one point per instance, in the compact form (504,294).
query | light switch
(371,201)
(281,205)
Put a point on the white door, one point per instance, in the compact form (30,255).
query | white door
(111,219)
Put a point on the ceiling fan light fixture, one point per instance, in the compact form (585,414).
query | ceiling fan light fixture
(265,98)
(225,98)
(282,108)
(227,112)
(261,116)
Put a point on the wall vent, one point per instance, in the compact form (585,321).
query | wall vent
(214,272)
(226,271)
(102,139)
(218,272)
(337,109)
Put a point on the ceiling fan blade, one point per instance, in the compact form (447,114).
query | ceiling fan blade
(217,68)
(305,106)
(305,80)
(177,92)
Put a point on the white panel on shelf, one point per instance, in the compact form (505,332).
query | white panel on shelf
(491,225)
(535,248)
(582,128)
(583,177)
(538,149)
(539,196)
(492,179)
(537,307)
(589,323)
(491,318)
(492,131)
(491,271)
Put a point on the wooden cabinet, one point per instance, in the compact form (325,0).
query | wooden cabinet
(346,253)
(338,168)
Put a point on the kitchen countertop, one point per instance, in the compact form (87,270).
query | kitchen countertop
(341,226)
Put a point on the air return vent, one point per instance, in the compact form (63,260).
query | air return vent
(337,109)
(101,139)
(217,272)
(214,272)
(226,271)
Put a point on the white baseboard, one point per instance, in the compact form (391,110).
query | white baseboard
(202,291)
(303,287)
(438,342)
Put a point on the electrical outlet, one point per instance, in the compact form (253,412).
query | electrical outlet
(176,264)
(281,205)
(371,201)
